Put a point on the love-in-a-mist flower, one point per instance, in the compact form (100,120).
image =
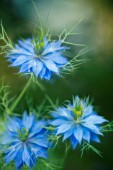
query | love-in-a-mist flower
(77,121)
(39,56)
(25,140)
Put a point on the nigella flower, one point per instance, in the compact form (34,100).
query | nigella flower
(24,141)
(38,56)
(77,121)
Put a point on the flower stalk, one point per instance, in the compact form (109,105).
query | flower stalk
(20,96)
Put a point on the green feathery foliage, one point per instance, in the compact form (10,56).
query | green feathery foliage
(87,146)
(6,40)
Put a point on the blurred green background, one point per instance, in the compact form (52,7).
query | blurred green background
(94,78)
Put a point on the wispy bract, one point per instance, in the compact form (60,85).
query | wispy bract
(77,121)
(24,141)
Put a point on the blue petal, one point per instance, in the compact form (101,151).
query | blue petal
(21,165)
(95,138)
(20,50)
(95,119)
(24,68)
(27,46)
(37,128)
(40,140)
(13,125)
(12,56)
(58,122)
(38,67)
(53,47)
(8,138)
(74,142)
(51,65)
(32,64)
(49,48)
(12,153)
(64,113)
(86,134)
(68,133)
(78,133)
(42,153)
(47,75)
(63,128)
(42,72)
(57,58)
(88,111)
(20,60)
(18,158)
(28,120)
(27,157)
(92,127)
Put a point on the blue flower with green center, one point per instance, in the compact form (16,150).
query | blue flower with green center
(77,121)
(38,56)
(25,141)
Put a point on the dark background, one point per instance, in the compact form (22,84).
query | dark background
(94,78)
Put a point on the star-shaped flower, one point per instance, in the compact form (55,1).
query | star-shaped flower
(77,121)
(25,141)
(38,56)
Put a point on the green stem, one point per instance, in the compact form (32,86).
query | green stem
(46,96)
(20,96)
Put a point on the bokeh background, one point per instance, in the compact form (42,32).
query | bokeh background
(94,78)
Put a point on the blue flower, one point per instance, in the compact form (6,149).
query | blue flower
(38,56)
(25,140)
(77,121)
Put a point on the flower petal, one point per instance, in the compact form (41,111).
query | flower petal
(28,120)
(58,122)
(68,133)
(20,60)
(92,128)
(95,119)
(86,134)
(78,133)
(57,58)
(51,65)
(38,67)
(63,128)
(95,138)
(74,142)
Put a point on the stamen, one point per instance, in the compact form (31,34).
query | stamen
(39,44)
(22,134)
(78,110)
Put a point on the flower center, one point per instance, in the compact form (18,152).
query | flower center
(39,44)
(78,111)
(22,134)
